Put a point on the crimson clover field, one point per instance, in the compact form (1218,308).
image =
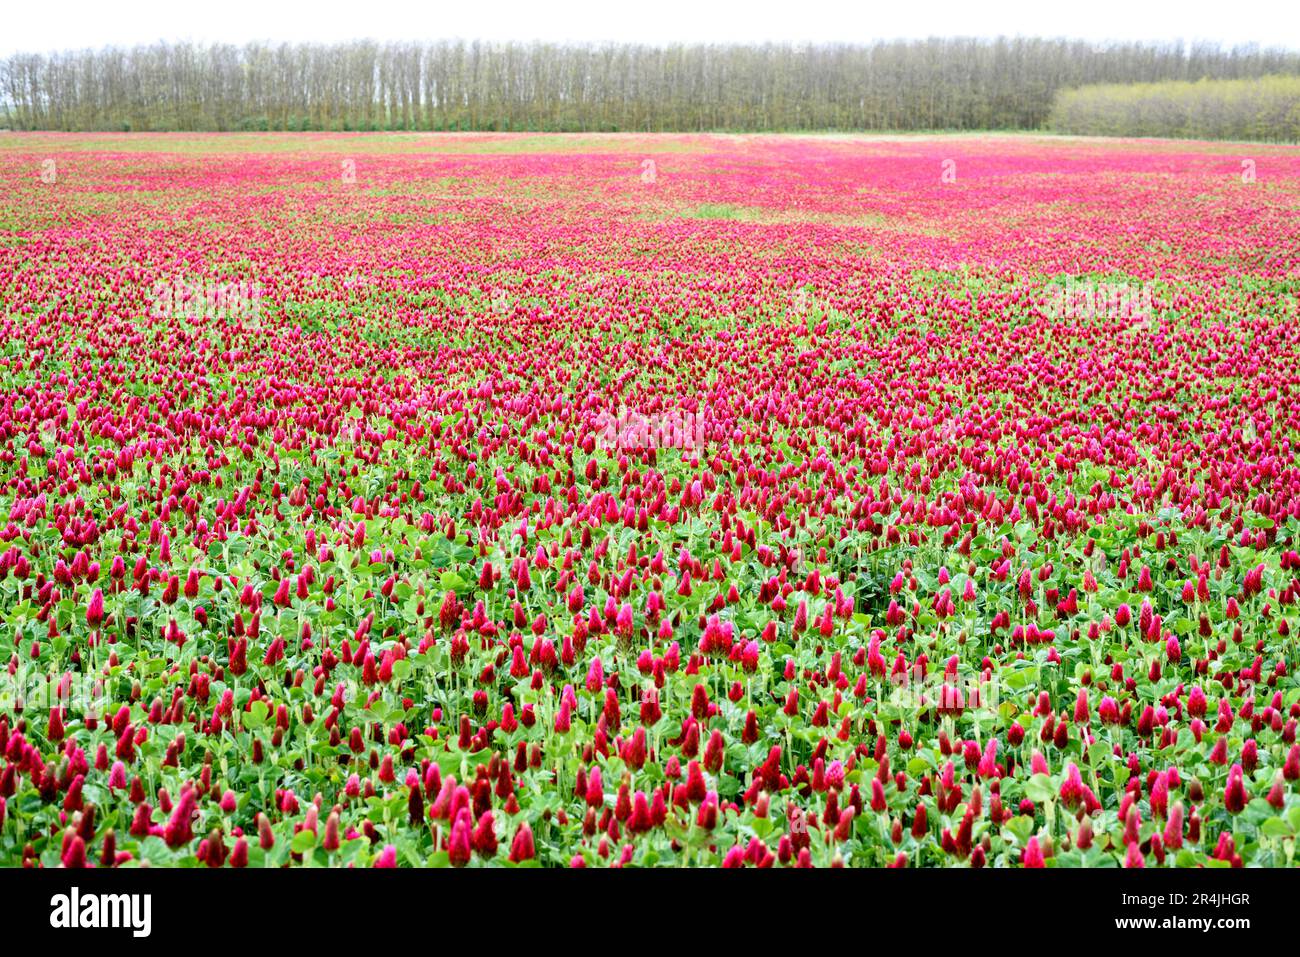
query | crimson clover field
(949,514)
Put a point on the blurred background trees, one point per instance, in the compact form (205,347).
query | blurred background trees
(1264,108)
(934,84)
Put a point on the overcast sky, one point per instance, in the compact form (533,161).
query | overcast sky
(31,25)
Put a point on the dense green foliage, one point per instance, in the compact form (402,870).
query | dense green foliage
(1263,108)
(957,84)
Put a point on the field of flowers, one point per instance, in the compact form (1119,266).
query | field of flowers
(630,501)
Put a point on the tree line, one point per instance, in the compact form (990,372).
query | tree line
(1264,108)
(952,84)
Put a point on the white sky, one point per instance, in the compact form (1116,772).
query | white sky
(31,25)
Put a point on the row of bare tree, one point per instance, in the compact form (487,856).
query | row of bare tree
(959,84)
